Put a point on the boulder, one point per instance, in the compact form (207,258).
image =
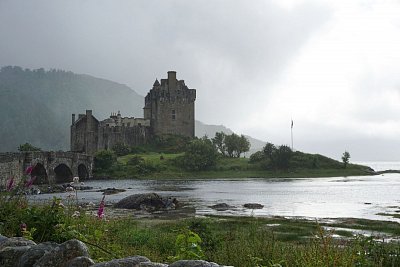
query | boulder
(193,263)
(80,262)
(222,206)
(133,261)
(3,238)
(63,253)
(9,256)
(35,253)
(149,202)
(152,264)
(253,206)
(16,242)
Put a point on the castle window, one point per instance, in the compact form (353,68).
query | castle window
(173,114)
(129,124)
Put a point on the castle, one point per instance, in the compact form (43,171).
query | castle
(168,109)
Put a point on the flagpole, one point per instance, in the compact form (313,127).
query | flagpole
(291,133)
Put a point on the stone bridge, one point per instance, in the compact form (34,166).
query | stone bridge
(48,167)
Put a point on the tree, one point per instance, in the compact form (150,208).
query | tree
(346,158)
(235,145)
(282,157)
(219,142)
(104,159)
(28,147)
(269,149)
(200,155)
(244,145)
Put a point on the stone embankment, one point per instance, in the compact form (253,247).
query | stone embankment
(18,251)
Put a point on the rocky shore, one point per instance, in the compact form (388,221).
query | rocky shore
(18,251)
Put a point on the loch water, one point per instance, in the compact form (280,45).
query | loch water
(335,197)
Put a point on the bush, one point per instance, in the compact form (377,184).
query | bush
(199,155)
(257,157)
(104,159)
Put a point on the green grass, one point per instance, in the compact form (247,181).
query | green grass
(156,168)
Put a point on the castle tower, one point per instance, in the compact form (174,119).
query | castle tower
(170,107)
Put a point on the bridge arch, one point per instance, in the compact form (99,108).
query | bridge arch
(39,171)
(83,172)
(63,174)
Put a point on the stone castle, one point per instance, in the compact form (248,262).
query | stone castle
(168,109)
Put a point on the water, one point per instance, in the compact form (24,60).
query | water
(337,197)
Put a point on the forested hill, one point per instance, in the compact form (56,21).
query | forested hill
(36,105)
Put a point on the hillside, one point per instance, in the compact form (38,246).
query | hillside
(36,106)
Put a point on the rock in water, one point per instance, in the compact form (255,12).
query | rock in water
(222,206)
(253,206)
(149,201)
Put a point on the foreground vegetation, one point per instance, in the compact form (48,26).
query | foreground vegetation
(236,241)
(225,240)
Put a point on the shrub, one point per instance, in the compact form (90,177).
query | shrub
(199,155)
(257,157)
(104,159)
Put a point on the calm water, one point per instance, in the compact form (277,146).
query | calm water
(359,197)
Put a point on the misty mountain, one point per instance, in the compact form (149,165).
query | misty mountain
(36,106)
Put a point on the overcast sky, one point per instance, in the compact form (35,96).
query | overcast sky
(331,66)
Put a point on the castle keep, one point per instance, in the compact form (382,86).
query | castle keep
(169,109)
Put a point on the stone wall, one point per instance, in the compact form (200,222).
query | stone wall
(130,136)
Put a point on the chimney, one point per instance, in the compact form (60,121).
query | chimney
(73,119)
(88,112)
(172,80)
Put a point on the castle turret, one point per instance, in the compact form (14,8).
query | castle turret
(170,107)
(171,80)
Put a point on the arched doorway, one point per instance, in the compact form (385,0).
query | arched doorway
(83,172)
(40,173)
(63,174)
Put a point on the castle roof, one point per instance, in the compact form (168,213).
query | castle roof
(156,83)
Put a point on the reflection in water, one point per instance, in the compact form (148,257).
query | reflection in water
(312,197)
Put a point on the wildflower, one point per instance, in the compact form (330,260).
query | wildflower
(30,182)
(10,184)
(23,227)
(100,211)
(76,214)
(29,170)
